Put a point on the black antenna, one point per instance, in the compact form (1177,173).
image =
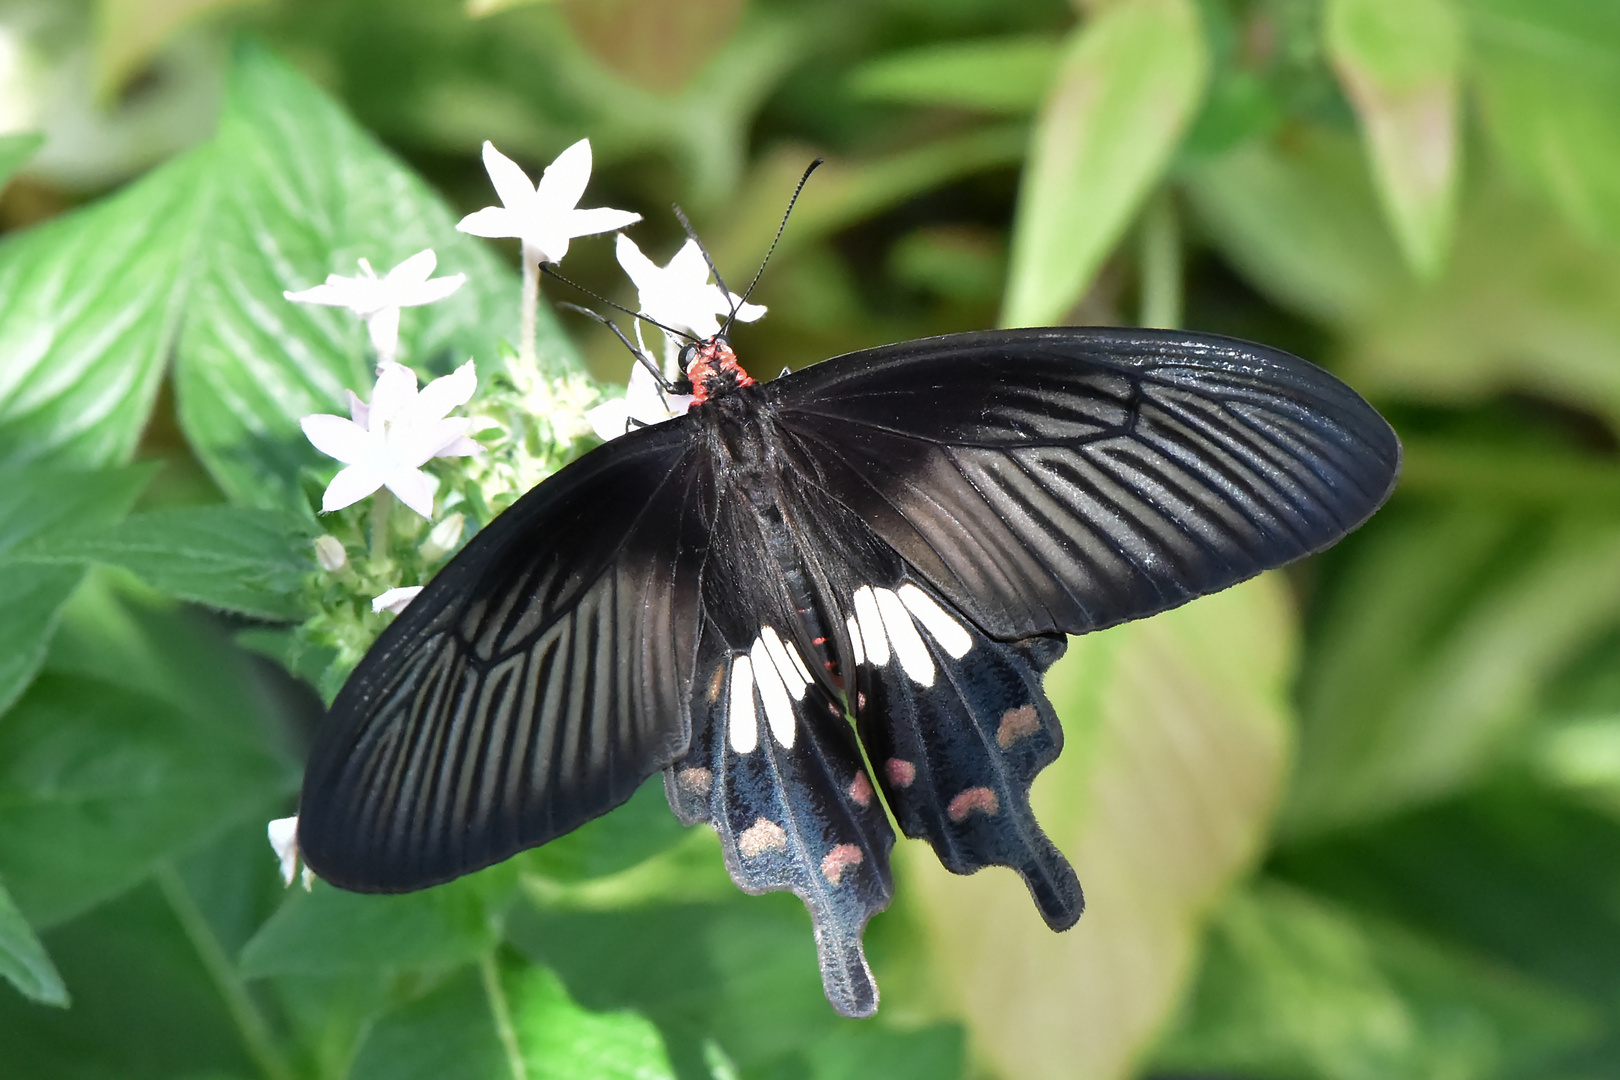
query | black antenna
(642,358)
(692,235)
(814,165)
(546,269)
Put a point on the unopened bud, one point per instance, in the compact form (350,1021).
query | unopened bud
(330,553)
(444,538)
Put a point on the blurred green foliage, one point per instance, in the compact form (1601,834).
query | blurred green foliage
(1359,820)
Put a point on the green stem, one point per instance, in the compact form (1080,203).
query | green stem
(250,1022)
(382,504)
(503,1015)
(1161,264)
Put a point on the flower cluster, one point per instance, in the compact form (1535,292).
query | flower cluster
(516,426)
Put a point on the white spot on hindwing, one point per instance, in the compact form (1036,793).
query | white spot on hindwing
(883,623)
(741,718)
(947,631)
(778,707)
(793,678)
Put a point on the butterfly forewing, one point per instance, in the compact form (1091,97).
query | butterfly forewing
(1066,480)
(533,685)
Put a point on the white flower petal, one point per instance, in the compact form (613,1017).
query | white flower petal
(414,270)
(747,312)
(393,600)
(494,222)
(428,292)
(330,294)
(643,271)
(511,183)
(414,488)
(349,486)
(688,264)
(563,182)
(445,393)
(610,419)
(359,410)
(600,219)
(383,326)
(429,440)
(283,833)
(336,437)
(460,447)
(394,393)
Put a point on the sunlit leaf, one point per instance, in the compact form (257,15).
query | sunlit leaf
(1548,77)
(90,303)
(990,74)
(98,782)
(330,930)
(1525,305)
(1430,648)
(449,1032)
(1176,734)
(37,506)
(1299,219)
(559,1039)
(654,44)
(1399,62)
(1129,81)
(1293,986)
(232,558)
(23,962)
(304,193)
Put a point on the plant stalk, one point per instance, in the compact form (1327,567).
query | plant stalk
(1161,265)
(502,1012)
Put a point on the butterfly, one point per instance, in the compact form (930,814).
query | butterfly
(810,599)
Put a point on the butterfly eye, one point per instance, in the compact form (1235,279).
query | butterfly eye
(688,352)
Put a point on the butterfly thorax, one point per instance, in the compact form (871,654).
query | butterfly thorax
(714,371)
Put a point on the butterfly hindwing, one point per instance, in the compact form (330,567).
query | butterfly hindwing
(1064,480)
(533,685)
(957,725)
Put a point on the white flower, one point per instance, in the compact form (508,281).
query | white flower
(444,537)
(378,300)
(680,295)
(284,840)
(643,400)
(544,216)
(388,441)
(395,599)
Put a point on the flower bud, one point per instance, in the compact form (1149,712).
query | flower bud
(330,553)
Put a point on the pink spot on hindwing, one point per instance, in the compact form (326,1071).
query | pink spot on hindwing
(860,789)
(762,836)
(981,799)
(695,781)
(839,859)
(900,772)
(1017,724)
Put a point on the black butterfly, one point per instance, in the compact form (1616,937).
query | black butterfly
(898,537)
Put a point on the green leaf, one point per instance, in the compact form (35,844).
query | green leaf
(615,842)
(447,1034)
(304,193)
(37,505)
(1525,305)
(561,1041)
(1547,73)
(1435,631)
(22,958)
(1004,75)
(143,1005)
(1294,986)
(1129,82)
(233,558)
(1176,745)
(89,306)
(1299,219)
(1398,61)
(15,150)
(329,930)
(99,782)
